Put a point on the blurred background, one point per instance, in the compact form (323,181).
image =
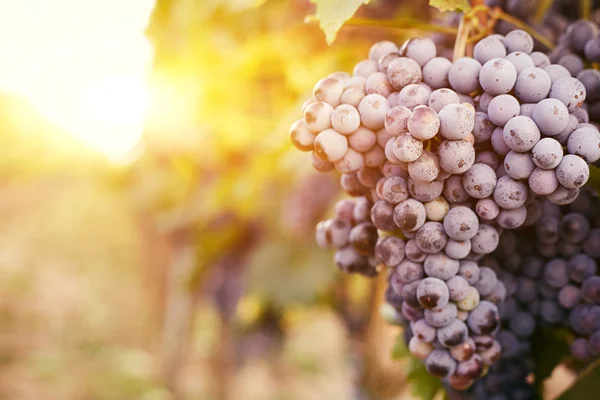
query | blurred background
(156,238)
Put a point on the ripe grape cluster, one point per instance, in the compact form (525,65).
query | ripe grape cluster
(551,273)
(578,47)
(439,159)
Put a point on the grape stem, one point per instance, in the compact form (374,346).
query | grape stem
(499,14)
(542,10)
(585,7)
(460,45)
(402,24)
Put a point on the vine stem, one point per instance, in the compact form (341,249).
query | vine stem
(542,10)
(498,13)
(460,45)
(401,24)
(585,8)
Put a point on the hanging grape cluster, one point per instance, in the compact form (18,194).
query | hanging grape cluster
(441,160)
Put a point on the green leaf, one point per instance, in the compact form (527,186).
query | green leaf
(424,385)
(549,347)
(586,386)
(333,13)
(594,177)
(400,349)
(451,5)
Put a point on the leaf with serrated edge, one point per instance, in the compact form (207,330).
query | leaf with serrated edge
(333,13)
(451,5)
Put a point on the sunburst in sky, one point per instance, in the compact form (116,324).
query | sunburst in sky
(82,63)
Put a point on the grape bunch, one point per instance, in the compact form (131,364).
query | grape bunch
(553,273)
(578,47)
(439,158)
(353,236)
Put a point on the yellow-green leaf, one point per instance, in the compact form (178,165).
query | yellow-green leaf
(451,5)
(333,13)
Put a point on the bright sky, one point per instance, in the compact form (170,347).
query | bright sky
(82,63)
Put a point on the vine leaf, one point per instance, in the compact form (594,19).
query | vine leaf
(594,179)
(333,13)
(400,349)
(586,384)
(424,385)
(451,5)
(549,348)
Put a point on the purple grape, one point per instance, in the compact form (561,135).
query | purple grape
(512,219)
(461,223)
(403,71)
(458,288)
(431,237)
(456,121)
(519,166)
(432,293)
(382,216)
(425,168)
(409,215)
(521,133)
(412,96)
(457,249)
(543,181)
(435,72)
(453,334)
(487,281)
(440,364)
(574,228)
(456,156)
(423,331)
(520,60)
(488,48)
(591,246)
(573,64)
(363,238)
(569,296)
(590,290)
(533,85)
(579,350)
(551,116)
(464,75)
(484,319)
(487,209)
(580,267)
(485,240)
(454,190)
(547,153)
(421,49)
(380,49)
(469,270)
(570,91)
(440,266)
(497,76)
(390,250)
(510,194)
(502,108)
(572,172)
(522,324)
(585,143)
(518,40)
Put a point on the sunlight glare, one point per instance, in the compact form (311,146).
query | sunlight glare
(83,64)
